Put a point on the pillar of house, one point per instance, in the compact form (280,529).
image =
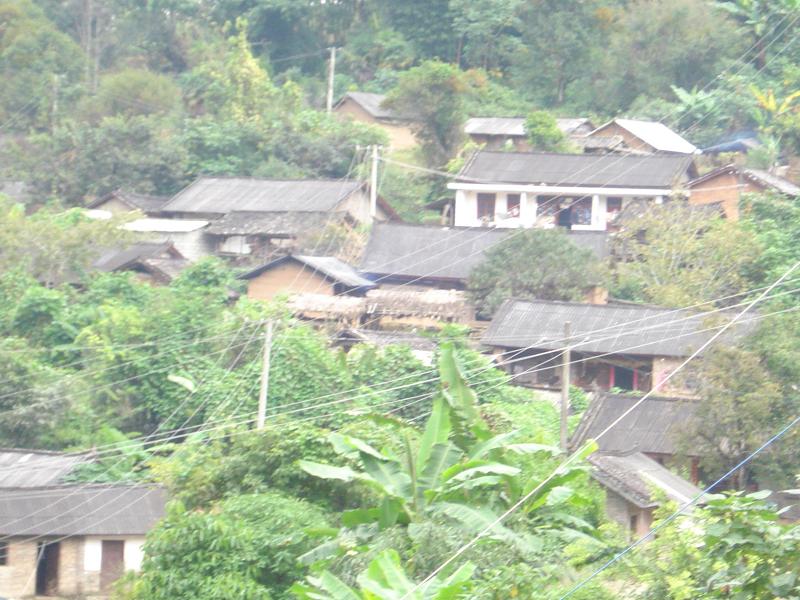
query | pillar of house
(598,213)
(524,212)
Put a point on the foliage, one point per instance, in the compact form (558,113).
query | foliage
(384,578)
(543,132)
(246,547)
(562,271)
(681,255)
(432,94)
(134,92)
(733,547)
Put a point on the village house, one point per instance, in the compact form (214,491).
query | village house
(120,202)
(153,262)
(649,137)
(256,217)
(424,257)
(580,192)
(187,236)
(725,186)
(499,133)
(368,108)
(634,455)
(73,541)
(613,346)
(298,274)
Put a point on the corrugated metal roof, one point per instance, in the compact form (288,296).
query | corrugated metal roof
(634,476)
(515,126)
(81,510)
(35,468)
(655,134)
(652,171)
(329,266)
(221,195)
(444,252)
(605,328)
(278,223)
(653,426)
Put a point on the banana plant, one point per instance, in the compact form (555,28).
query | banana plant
(384,579)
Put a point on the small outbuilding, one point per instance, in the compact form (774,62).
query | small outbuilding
(73,541)
(368,108)
(299,274)
(648,137)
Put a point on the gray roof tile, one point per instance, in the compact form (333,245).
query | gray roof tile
(81,510)
(652,427)
(444,252)
(657,171)
(221,195)
(633,329)
(21,468)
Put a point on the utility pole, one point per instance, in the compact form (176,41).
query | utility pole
(262,396)
(331,71)
(565,360)
(373,184)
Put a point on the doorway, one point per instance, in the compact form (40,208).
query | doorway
(112,562)
(47,554)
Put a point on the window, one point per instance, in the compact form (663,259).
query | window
(613,204)
(486,206)
(634,523)
(3,554)
(512,204)
(547,205)
(581,213)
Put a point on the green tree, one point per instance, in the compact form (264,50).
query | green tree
(561,270)
(543,132)
(134,92)
(432,94)
(732,547)
(680,255)
(244,547)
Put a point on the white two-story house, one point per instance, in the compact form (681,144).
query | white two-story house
(582,192)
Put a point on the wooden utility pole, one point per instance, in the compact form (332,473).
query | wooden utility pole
(565,360)
(373,184)
(262,396)
(331,72)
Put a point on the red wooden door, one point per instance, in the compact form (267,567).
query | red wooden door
(112,563)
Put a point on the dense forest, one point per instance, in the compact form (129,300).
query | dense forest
(375,467)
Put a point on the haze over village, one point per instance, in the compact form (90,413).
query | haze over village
(399,300)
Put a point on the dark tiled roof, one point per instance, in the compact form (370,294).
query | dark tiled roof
(35,468)
(116,258)
(657,171)
(221,195)
(601,328)
(635,476)
(652,427)
(147,204)
(329,266)
(277,223)
(445,252)
(81,510)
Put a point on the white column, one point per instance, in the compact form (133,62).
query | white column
(598,213)
(523,210)
(534,212)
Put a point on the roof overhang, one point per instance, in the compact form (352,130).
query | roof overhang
(559,189)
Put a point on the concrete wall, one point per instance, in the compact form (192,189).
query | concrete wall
(400,135)
(466,211)
(622,511)
(285,278)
